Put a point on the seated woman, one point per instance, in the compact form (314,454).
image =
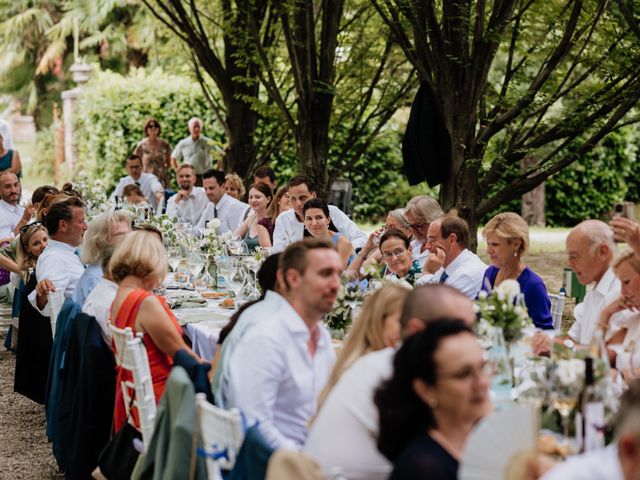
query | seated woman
(626,358)
(317,222)
(138,265)
(377,327)
(233,186)
(507,236)
(396,253)
(260,199)
(438,392)
(280,204)
(35,339)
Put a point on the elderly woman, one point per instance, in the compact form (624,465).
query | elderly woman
(438,392)
(420,211)
(626,358)
(396,253)
(154,152)
(507,236)
(138,265)
(35,339)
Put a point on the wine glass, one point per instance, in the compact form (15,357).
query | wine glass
(174,255)
(532,384)
(564,388)
(195,263)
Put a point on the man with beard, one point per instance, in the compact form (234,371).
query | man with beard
(282,363)
(12,216)
(190,201)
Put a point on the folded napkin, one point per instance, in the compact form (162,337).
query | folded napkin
(187,301)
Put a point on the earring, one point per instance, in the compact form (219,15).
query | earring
(515,253)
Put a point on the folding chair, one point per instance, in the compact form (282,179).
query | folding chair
(557,308)
(131,355)
(222,434)
(54,302)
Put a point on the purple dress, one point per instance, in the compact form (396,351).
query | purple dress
(535,295)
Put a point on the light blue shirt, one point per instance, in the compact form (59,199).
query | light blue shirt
(86,283)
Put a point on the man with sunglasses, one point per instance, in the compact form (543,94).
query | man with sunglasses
(12,215)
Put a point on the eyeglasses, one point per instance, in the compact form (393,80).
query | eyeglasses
(153,125)
(27,227)
(468,373)
(398,252)
(417,226)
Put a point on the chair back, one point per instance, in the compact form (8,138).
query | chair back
(55,301)
(222,434)
(557,308)
(131,354)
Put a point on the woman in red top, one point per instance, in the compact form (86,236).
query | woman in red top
(138,265)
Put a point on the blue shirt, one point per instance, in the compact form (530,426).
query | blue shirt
(87,282)
(535,295)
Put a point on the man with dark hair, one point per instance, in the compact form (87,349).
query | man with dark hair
(12,216)
(349,417)
(59,266)
(148,182)
(226,209)
(282,363)
(290,226)
(449,260)
(266,175)
(190,201)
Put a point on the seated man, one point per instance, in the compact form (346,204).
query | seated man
(266,175)
(282,363)
(12,216)
(190,201)
(345,431)
(59,266)
(221,206)
(449,260)
(148,182)
(290,226)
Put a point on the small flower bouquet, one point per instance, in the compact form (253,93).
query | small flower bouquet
(504,308)
(349,296)
(210,242)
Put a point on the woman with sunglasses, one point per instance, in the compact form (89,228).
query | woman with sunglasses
(155,152)
(35,337)
(397,256)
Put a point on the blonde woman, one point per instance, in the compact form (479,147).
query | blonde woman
(233,186)
(377,327)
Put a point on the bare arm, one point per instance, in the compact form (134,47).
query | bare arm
(345,249)
(8,264)
(264,239)
(244,226)
(16,164)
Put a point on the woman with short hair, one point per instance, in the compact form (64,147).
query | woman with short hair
(138,265)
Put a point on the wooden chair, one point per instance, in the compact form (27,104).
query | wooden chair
(222,434)
(131,355)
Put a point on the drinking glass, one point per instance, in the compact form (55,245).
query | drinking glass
(532,383)
(174,256)
(564,396)
(195,263)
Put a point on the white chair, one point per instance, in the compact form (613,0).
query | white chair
(222,434)
(557,308)
(131,355)
(54,302)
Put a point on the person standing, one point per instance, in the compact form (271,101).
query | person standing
(155,152)
(194,150)
(9,158)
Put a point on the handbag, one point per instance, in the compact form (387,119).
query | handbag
(118,458)
(4,276)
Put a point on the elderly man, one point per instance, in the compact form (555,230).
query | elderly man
(290,226)
(103,232)
(59,266)
(223,207)
(148,182)
(282,363)
(449,260)
(195,150)
(420,211)
(12,216)
(345,431)
(190,201)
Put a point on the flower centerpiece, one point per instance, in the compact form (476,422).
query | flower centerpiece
(349,296)
(503,308)
(93,192)
(210,241)
(167,226)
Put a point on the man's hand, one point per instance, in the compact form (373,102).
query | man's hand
(435,261)
(541,344)
(181,195)
(626,230)
(44,287)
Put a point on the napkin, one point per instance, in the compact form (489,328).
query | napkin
(187,301)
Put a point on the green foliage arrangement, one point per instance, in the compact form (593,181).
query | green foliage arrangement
(113,109)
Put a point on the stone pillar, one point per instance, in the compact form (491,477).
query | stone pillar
(80,73)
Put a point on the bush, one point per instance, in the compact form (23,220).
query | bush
(113,109)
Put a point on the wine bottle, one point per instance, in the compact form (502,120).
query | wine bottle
(592,410)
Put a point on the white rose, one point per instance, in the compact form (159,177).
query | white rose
(509,289)
(214,224)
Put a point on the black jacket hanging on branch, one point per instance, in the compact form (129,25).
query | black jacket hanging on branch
(426,146)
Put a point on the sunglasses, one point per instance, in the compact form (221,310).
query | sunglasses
(27,227)
(153,125)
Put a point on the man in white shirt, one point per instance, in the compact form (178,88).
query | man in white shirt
(12,216)
(190,201)
(289,224)
(282,363)
(449,260)
(148,182)
(221,206)
(345,431)
(195,150)
(59,266)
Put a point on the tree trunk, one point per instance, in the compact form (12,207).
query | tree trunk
(240,155)
(532,202)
